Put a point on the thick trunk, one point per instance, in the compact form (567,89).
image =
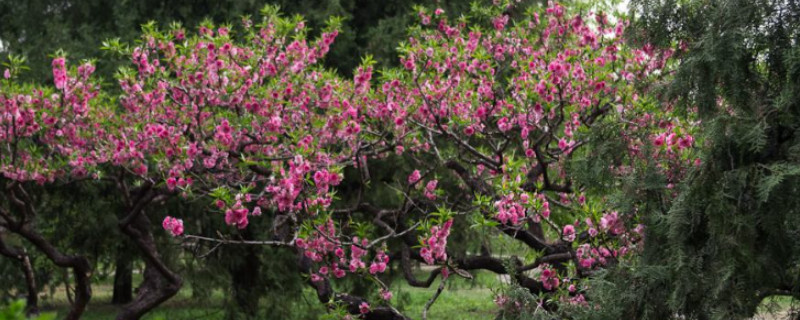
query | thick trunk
(123,277)
(159,283)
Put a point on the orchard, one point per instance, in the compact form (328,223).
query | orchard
(577,160)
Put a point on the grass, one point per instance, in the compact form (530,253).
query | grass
(461,299)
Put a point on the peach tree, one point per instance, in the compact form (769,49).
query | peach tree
(490,124)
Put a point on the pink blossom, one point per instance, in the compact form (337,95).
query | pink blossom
(430,189)
(435,245)
(499,23)
(569,233)
(658,140)
(469,131)
(377,267)
(549,278)
(685,142)
(562,144)
(363,308)
(59,72)
(338,273)
(386,294)
(237,217)
(173,226)
(414,177)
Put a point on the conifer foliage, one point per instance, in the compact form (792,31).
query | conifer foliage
(728,237)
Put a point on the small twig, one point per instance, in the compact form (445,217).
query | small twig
(433,299)
(394,235)
(248,242)
(209,252)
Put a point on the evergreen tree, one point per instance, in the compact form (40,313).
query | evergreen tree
(730,236)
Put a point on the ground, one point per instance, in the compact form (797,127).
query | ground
(461,300)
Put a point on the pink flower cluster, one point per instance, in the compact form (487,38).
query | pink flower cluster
(414,177)
(589,257)
(434,249)
(611,223)
(549,278)
(173,225)
(568,233)
(60,73)
(324,179)
(509,210)
(328,251)
(430,189)
(670,139)
(236,215)
(379,264)
(385,294)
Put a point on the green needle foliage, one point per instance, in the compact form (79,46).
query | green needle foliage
(730,236)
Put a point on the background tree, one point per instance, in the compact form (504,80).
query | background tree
(79,27)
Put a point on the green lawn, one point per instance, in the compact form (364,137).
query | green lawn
(461,299)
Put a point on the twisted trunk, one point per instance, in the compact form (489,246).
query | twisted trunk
(159,283)
(81,270)
(32,298)
(21,201)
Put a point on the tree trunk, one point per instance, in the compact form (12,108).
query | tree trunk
(32,306)
(81,270)
(246,293)
(159,283)
(32,298)
(67,288)
(123,276)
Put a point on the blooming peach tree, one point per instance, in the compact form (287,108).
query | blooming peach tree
(487,118)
